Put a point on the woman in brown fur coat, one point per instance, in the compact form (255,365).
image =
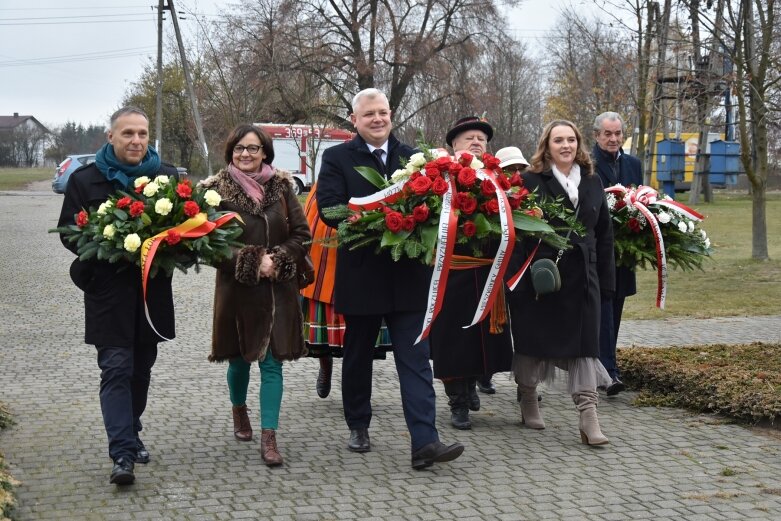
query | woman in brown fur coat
(257,316)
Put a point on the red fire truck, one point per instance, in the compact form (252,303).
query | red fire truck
(299,149)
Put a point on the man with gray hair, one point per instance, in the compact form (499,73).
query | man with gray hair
(614,167)
(370,287)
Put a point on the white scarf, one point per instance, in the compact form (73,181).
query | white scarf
(570,183)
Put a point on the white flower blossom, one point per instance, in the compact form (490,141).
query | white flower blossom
(663,217)
(108,231)
(400,175)
(417,159)
(141,181)
(476,164)
(691,226)
(162,180)
(682,227)
(163,206)
(132,242)
(611,201)
(104,207)
(151,189)
(704,235)
(410,168)
(440,152)
(212,198)
(707,243)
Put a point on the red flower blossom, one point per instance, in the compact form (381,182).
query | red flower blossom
(503,181)
(515,201)
(408,223)
(140,189)
(466,158)
(466,203)
(490,161)
(191,208)
(634,225)
(443,163)
(124,202)
(439,186)
(136,208)
(619,204)
(432,172)
(414,176)
(455,168)
(487,187)
(516,179)
(173,237)
(491,207)
(394,221)
(82,219)
(421,185)
(184,190)
(467,177)
(420,212)
(468,228)
(355,217)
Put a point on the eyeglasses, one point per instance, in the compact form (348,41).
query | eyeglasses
(252,149)
(511,169)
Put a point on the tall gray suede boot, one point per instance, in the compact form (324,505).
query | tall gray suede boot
(590,433)
(530,409)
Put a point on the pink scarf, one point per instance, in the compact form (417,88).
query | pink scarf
(252,182)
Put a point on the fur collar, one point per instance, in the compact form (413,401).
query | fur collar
(275,188)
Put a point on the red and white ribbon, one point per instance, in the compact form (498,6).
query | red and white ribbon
(502,258)
(446,240)
(376,200)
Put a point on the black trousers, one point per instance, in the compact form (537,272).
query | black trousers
(125,373)
(610,321)
(418,399)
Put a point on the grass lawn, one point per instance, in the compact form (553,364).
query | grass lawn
(732,284)
(18,178)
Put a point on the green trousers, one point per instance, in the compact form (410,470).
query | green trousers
(270,387)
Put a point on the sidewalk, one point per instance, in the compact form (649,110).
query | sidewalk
(661,463)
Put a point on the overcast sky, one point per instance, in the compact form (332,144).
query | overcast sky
(73,60)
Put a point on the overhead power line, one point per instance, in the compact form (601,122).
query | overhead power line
(102,55)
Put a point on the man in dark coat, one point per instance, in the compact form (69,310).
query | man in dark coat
(115,322)
(614,166)
(371,286)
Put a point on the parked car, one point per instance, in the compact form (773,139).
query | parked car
(66,168)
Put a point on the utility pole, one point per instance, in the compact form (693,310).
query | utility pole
(188,79)
(159,107)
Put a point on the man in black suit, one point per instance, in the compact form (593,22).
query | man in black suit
(614,166)
(370,287)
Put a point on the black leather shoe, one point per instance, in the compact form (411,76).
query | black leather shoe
(142,455)
(485,385)
(616,387)
(122,473)
(359,440)
(324,377)
(436,452)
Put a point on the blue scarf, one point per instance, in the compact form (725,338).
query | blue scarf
(122,173)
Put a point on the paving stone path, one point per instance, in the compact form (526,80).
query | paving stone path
(661,463)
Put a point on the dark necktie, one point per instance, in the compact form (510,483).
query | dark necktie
(378,152)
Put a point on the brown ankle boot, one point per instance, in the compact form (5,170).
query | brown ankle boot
(242,428)
(268,448)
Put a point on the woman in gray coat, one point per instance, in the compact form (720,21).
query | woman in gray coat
(561,329)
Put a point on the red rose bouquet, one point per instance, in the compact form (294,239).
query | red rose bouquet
(405,216)
(162,224)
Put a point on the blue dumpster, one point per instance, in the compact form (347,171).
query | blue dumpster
(670,163)
(724,162)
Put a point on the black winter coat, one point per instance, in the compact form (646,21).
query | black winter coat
(113,299)
(368,283)
(565,324)
(627,170)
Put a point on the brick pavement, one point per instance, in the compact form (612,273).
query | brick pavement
(661,463)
